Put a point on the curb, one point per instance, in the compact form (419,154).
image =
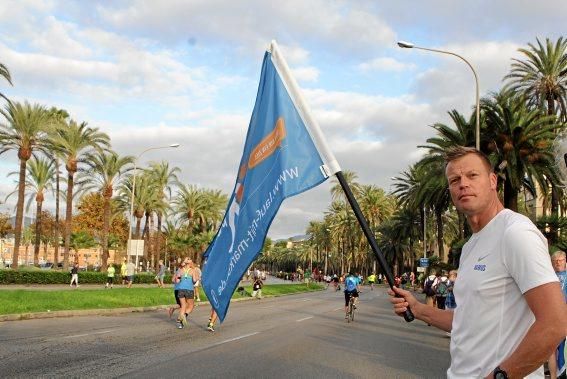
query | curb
(103,312)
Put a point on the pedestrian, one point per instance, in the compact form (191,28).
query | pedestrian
(257,288)
(110,271)
(123,272)
(412,280)
(130,272)
(161,274)
(380,277)
(75,275)
(510,312)
(197,285)
(556,363)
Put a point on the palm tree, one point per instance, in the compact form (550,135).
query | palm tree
(59,119)
(164,177)
(522,138)
(542,76)
(103,174)
(24,132)
(74,142)
(6,75)
(39,179)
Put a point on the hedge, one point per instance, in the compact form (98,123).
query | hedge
(9,276)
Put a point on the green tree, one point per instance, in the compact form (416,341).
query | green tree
(521,140)
(24,132)
(542,76)
(74,142)
(165,178)
(5,73)
(104,172)
(39,179)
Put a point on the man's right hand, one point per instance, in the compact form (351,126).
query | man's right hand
(402,303)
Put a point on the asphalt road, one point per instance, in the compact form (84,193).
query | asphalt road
(300,336)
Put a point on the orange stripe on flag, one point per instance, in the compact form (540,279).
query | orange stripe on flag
(268,145)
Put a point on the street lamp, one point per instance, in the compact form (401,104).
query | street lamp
(409,45)
(173,145)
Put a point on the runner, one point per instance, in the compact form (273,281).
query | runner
(110,276)
(197,285)
(372,280)
(186,277)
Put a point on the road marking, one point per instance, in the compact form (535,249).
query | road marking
(338,309)
(235,339)
(87,334)
(303,319)
(305,299)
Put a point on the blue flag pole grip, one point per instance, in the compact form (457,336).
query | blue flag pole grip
(408,315)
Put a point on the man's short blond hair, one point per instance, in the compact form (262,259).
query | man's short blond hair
(457,152)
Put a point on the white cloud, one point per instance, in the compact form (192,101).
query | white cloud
(386,64)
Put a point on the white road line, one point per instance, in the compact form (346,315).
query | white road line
(305,299)
(235,339)
(338,309)
(303,319)
(87,334)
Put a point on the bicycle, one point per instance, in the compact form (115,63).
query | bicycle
(350,310)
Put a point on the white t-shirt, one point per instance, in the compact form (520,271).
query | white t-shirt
(501,262)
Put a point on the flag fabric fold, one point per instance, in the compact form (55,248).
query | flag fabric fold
(284,155)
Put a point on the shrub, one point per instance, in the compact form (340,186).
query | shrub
(26,276)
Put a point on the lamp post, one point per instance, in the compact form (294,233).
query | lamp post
(409,45)
(173,145)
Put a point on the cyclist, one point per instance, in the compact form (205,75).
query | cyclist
(351,289)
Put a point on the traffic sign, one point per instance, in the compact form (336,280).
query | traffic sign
(424,262)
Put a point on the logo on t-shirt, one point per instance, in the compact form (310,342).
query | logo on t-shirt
(479,267)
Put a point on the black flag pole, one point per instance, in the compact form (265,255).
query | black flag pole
(408,315)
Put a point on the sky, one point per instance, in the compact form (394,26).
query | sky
(153,73)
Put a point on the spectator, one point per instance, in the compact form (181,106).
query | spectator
(75,275)
(510,311)
(556,363)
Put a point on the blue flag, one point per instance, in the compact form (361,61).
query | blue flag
(280,159)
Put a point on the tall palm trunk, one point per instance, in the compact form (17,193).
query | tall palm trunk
(37,232)
(510,196)
(19,212)
(68,220)
(440,242)
(145,235)
(138,225)
(56,247)
(105,230)
(157,243)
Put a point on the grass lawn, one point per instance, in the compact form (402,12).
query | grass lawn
(29,301)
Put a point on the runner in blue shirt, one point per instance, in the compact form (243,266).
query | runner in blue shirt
(351,289)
